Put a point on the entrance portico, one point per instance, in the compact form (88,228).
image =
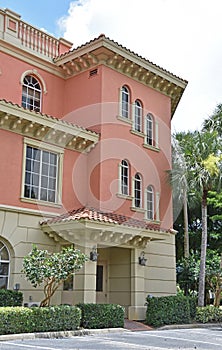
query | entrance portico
(115,276)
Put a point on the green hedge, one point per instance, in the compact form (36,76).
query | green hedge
(208,314)
(101,315)
(10,297)
(167,310)
(39,319)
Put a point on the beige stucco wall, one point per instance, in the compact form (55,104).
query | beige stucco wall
(128,283)
(19,230)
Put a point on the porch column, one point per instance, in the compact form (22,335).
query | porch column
(85,281)
(137,310)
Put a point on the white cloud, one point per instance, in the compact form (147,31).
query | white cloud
(183,37)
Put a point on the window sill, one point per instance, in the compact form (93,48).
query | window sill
(125,120)
(138,133)
(152,148)
(139,210)
(124,196)
(47,204)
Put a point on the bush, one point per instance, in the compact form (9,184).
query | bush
(193,307)
(10,297)
(101,315)
(37,319)
(208,314)
(167,310)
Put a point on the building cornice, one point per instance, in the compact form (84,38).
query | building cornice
(104,51)
(46,128)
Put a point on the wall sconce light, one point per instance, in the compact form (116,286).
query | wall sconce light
(93,254)
(142,260)
(17,286)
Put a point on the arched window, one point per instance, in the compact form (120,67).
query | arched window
(124,177)
(149,130)
(4,266)
(31,93)
(138,191)
(138,115)
(125,99)
(150,203)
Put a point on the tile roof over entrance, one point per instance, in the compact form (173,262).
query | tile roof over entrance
(92,214)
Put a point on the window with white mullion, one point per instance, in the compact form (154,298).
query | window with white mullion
(31,93)
(4,266)
(137,191)
(150,203)
(149,130)
(137,116)
(124,179)
(41,174)
(125,103)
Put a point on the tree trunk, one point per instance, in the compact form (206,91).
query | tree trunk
(186,233)
(201,290)
(218,294)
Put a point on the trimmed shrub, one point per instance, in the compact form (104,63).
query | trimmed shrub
(10,297)
(101,315)
(38,319)
(208,314)
(167,310)
(193,307)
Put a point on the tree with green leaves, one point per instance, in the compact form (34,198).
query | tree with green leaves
(203,171)
(214,275)
(51,269)
(214,122)
(178,180)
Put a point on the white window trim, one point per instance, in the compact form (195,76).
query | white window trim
(51,148)
(133,194)
(154,206)
(155,131)
(8,262)
(120,194)
(120,116)
(34,72)
(134,105)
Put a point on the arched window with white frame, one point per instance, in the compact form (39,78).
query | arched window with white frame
(4,266)
(124,177)
(138,116)
(149,129)
(150,203)
(31,93)
(125,102)
(138,191)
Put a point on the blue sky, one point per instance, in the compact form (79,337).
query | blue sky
(182,36)
(39,13)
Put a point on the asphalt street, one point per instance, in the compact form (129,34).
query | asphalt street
(177,339)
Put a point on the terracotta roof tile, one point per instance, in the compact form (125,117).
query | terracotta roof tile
(121,46)
(96,215)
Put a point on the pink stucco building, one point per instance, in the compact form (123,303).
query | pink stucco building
(85,144)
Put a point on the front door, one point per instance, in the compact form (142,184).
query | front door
(101,283)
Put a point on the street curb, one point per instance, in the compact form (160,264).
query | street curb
(62,334)
(191,325)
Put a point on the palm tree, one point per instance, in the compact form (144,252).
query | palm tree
(214,123)
(178,180)
(203,170)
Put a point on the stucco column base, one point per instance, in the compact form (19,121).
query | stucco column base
(137,313)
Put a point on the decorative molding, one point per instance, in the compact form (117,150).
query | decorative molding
(34,72)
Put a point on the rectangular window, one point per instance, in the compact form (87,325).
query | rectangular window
(41,172)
